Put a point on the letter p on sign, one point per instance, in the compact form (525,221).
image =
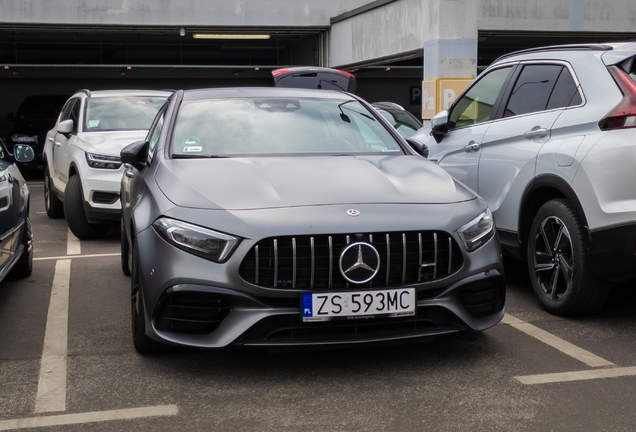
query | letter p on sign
(449,97)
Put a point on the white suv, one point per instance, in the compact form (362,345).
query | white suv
(547,137)
(82,167)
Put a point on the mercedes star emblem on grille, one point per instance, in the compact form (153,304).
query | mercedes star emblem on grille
(353,212)
(359,262)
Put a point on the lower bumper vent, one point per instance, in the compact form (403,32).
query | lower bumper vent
(191,312)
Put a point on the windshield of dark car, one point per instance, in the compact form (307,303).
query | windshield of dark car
(250,126)
(121,113)
(40,108)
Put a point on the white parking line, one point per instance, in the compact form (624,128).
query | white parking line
(77,256)
(73,245)
(51,394)
(555,342)
(90,417)
(577,376)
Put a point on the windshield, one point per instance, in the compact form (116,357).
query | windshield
(121,113)
(40,108)
(246,126)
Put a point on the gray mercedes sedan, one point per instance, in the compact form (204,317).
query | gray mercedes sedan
(274,217)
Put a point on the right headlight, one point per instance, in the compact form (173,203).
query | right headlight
(478,231)
(203,242)
(21,138)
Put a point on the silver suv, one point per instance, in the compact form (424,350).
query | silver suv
(547,137)
(82,167)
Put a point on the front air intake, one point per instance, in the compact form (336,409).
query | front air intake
(191,312)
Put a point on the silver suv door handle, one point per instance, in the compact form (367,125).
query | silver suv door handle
(472,146)
(536,132)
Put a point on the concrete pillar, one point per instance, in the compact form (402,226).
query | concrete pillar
(450,52)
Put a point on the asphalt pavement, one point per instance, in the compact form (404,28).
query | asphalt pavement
(532,372)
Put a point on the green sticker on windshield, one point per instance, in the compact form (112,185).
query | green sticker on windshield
(93,123)
(191,141)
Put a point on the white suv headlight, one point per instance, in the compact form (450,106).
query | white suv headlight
(102,161)
(478,231)
(203,242)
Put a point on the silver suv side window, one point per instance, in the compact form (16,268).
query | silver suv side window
(476,106)
(542,87)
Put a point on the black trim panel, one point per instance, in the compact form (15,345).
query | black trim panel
(612,254)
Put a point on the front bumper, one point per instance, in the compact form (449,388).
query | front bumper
(193,302)
(612,254)
(101,189)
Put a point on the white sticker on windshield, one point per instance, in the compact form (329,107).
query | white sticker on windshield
(93,123)
(192,149)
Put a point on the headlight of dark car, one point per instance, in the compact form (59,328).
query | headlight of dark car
(102,161)
(478,231)
(203,242)
(21,138)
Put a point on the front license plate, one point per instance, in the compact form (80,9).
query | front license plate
(358,304)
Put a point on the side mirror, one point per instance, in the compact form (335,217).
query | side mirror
(439,125)
(418,146)
(135,154)
(11,117)
(65,127)
(23,153)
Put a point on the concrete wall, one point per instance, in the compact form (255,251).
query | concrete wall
(392,29)
(555,15)
(403,26)
(223,13)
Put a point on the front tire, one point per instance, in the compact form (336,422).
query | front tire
(76,215)
(558,262)
(24,267)
(53,206)
(125,250)
(143,344)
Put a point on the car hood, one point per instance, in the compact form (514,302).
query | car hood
(274,182)
(109,143)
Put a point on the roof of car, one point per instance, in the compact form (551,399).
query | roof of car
(238,92)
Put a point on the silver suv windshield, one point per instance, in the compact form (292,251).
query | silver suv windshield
(270,125)
(121,113)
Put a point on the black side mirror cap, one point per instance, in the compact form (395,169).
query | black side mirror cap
(418,146)
(135,154)
(439,125)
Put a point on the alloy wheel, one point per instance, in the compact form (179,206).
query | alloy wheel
(553,258)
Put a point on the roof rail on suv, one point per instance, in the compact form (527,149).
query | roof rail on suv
(582,47)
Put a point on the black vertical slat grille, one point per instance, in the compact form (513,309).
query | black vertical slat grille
(312,262)
(191,312)
(484,297)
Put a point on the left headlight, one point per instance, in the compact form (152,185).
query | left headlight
(20,138)
(102,161)
(203,242)
(478,231)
